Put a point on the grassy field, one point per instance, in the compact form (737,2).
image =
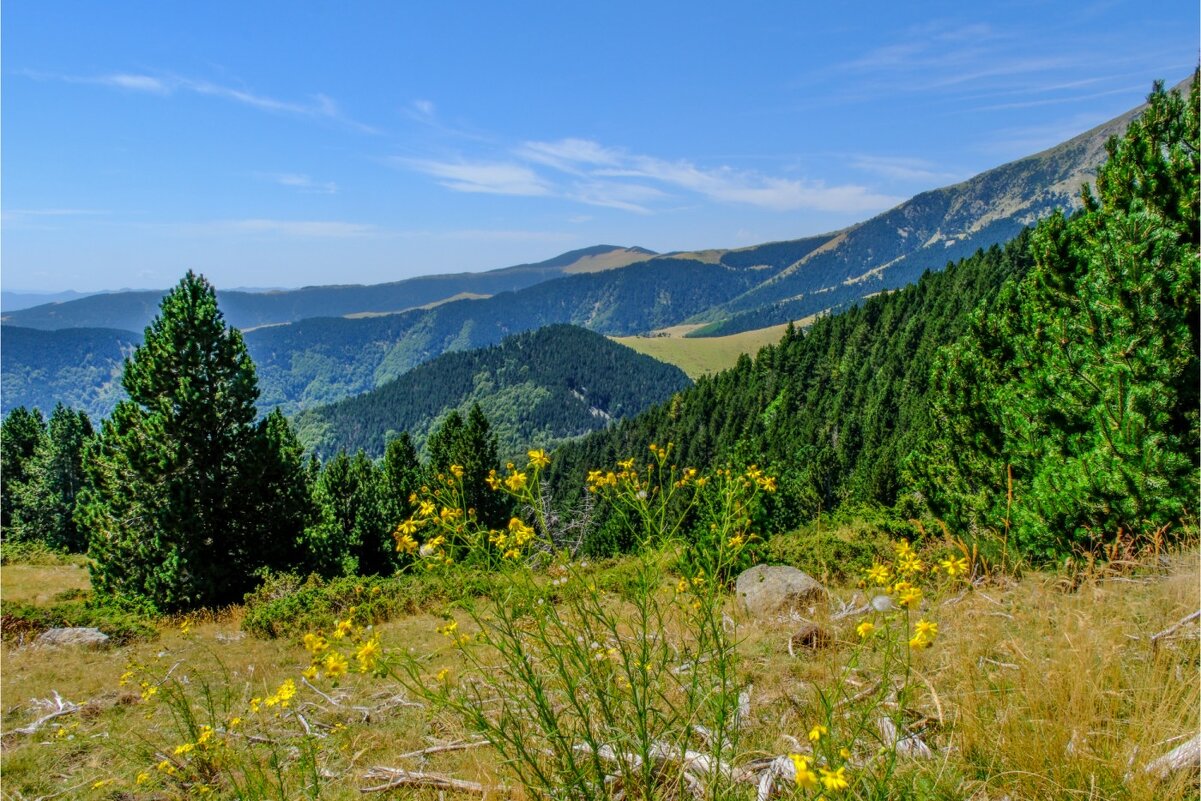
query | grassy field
(1041,686)
(703,355)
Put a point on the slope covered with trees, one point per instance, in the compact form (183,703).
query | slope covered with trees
(537,389)
(1045,392)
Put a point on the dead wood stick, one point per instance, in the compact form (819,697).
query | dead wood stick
(439,749)
(399,777)
(1172,629)
(58,706)
(1182,757)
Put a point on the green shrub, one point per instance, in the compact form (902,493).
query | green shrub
(34,552)
(831,554)
(286,605)
(121,621)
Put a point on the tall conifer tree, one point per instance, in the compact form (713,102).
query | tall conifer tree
(177,515)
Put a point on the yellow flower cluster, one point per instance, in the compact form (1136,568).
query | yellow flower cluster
(325,660)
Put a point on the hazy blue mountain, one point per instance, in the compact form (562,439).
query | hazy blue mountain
(250,309)
(537,389)
(80,367)
(15,301)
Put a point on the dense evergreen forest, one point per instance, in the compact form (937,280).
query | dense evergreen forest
(1042,395)
(537,390)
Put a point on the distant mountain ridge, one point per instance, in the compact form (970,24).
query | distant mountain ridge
(537,390)
(620,291)
(250,309)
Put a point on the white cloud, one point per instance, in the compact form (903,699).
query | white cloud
(588,172)
(302,182)
(494,178)
(902,168)
(323,229)
(319,107)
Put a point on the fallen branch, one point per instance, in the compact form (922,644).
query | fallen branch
(440,749)
(1172,629)
(909,745)
(58,708)
(1182,757)
(399,777)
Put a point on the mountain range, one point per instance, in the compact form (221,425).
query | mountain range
(368,336)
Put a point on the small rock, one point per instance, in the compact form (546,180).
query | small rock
(81,636)
(812,636)
(766,590)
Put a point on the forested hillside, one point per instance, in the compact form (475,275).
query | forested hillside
(536,389)
(78,367)
(322,360)
(1046,392)
(833,410)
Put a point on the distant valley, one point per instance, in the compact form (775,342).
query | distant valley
(319,345)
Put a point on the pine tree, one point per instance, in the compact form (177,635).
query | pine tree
(55,478)
(178,514)
(20,435)
(1070,411)
(352,535)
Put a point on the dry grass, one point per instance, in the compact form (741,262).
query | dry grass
(1034,690)
(698,356)
(38,584)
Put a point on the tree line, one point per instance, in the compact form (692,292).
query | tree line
(1044,394)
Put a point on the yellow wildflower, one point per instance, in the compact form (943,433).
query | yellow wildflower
(125,677)
(835,780)
(817,732)
(185,748)
(315,644)
(910,597)
(457,470)
(427,508)
(286,692)
(682,585)
(516,482)
(311,673)
(234,722)
(492,481)
(803,775)
(343,628)
(626,464)
(96,785)
(879,574)
(767,483)
(538,458)
(954,567)
(736,541)
(909,563)
(865,629)
(844,752)
(405,543)
(448,628)
(255,704)
(335,665)
(185,627)
(142,778)
(206,734)
(903,547)
(443,675)
(368,654)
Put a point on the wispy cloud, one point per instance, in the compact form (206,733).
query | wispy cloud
(493,178)
(902,168)
(319,106)
(301,182)
(40,218)
(588,172)
(314,229)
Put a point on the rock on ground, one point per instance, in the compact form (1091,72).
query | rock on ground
(72,636)
(767,590)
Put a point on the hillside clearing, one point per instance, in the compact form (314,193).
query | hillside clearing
(1047,686)
(699,356)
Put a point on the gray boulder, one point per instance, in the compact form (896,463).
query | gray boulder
(767,590)
(76,636)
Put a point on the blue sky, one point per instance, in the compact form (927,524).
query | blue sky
(294,143)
